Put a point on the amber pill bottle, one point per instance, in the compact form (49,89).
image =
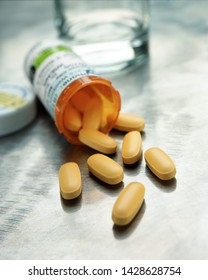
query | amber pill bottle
(59,78)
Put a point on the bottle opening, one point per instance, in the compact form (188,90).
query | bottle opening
(89,102)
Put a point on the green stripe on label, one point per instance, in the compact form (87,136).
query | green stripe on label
(47,52)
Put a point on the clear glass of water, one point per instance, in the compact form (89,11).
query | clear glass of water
(111,35)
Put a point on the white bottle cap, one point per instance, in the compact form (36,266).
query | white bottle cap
(17,107)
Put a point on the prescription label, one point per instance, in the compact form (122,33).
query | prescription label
(39,53)
(53,72)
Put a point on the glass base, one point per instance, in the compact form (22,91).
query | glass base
(109,40)
(113,57)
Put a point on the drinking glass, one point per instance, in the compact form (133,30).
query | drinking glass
(111,35)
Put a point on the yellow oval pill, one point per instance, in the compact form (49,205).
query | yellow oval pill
(131,147)
(72,119)
(129,122)
(93,114)
(80,100)
(98,141)
(105,169)
(128,203)
(160,163)
(70,180)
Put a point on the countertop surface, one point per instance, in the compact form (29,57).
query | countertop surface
(170,91)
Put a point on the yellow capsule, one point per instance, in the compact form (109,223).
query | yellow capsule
(160,163)
(105,169)
(72,119)
(128,203)
(93,114)
(81,99)
(129,122)
(131,147)
(70,180)
(98,141)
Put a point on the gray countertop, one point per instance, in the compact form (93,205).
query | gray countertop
(170,91)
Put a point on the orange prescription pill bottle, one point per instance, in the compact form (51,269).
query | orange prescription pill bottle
(70,90)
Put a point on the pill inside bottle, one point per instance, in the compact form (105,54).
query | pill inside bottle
(100,112)
(72,119)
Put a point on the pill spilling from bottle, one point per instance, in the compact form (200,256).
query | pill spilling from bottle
(70,180)
(128,203)
(85,107)
(129,122)
(98,141)
(105,169)
(131,147)
(160,163)
(131,198)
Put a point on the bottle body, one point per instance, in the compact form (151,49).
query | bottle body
(61,79)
